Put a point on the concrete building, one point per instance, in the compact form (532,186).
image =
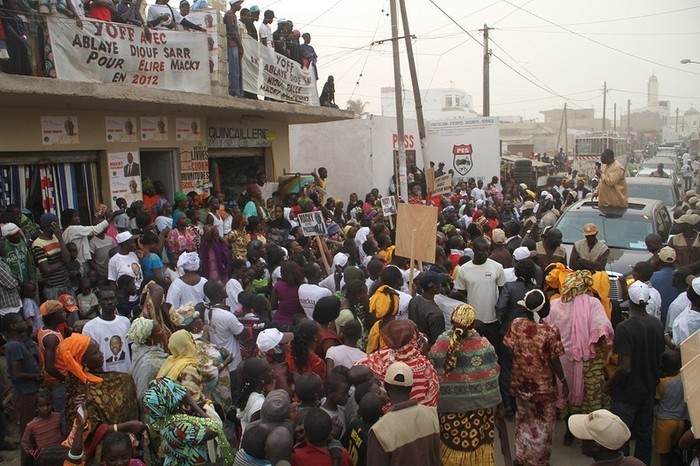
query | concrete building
(65,144)
(438,104)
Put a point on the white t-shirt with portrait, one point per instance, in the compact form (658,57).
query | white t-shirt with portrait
(128,264)
(309,295)
(481,283)
(111,336)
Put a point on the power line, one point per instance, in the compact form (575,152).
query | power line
(319,16)
(603,33)
(511,12)
(598,42)
(628,18)
(660,95)
(550,91)
(374,35)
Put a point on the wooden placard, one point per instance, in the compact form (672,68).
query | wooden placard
(420,223)
(691,388)
(690,348)
(442,185)
(429,179)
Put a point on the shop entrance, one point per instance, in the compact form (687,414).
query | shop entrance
(40,183)
(231,170)
(159,165)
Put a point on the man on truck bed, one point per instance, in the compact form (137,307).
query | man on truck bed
(612,191)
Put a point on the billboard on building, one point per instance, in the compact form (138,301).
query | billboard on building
(469,147)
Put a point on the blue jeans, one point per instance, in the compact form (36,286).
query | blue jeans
(639,418)
(234,72)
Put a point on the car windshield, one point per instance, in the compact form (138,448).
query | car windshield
(648,191)
(626,232)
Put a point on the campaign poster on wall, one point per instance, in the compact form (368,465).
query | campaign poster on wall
(194,169)
(209,19)
(154,128)
(121,129)
(57,130)
(124,176)
(188,129)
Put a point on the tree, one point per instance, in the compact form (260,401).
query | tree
(357,106)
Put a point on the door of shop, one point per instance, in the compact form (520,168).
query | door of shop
(232,169)
(159,165)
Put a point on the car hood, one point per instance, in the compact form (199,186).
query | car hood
(620,260)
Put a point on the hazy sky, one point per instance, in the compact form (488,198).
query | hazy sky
(563,62)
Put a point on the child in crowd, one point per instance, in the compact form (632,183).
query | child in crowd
(117,450)
(256,380)
(236,284)
(336,388)
(355,440)
(22,369)
(30,310)
(88,306)
(316,448)
(74,268)
(126,287)
(347,354)
(45,429)
(121,221)
(671,409)
(309,390)
(252,449)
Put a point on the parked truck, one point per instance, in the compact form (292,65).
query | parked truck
(589,147)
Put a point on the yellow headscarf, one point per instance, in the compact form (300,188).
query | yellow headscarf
(463,316)
(384,302)
(182,350)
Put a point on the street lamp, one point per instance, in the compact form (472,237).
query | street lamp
(685,61)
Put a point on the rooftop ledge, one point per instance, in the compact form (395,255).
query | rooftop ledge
(56,94)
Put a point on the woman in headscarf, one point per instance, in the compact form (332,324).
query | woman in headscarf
(215,255)
(238,238)
(585,331)
(189,287)
(184,436)
(507,310)
(468,370)
(182,365)
(164,215)
(383,307)
(111,401)
(183,237)
(536,347)
(213,361)
(147,355)
(404,343)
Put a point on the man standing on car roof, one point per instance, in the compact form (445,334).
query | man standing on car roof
(612,191)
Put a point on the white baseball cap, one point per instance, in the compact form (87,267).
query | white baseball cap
(271,337)
(123,237)
(601,426)
(9,229)
(639,292)
(522,253)
(399,374)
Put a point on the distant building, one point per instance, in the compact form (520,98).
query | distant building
(652,91)
(438,103)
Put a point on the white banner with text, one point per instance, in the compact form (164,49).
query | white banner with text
(111,52)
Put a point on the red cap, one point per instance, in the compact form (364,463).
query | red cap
(68,302)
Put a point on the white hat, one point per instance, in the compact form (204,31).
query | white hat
(189,261)
(695,285)
(9,229)
(281,20)
(528,205)
(340,259)
(271,337)
(667,255)
(521,253)
(601,426)
(399,374)
(639,292)
(123,237)
(534,300)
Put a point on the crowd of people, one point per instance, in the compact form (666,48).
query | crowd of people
(201,329)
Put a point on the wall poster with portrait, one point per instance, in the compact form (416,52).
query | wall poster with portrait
(124,176)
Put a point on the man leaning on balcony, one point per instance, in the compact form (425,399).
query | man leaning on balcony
(163,16)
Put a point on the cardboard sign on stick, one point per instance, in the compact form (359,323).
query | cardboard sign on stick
(312,223)
(418,222)
(691,388)
(430,180)
(443,184)
(690,348)
(389,206)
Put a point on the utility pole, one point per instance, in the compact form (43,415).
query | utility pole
(614,116)
(561,125)
(414,83)
(566,131)
(487,57)
(676,120)
(605,100)
(402,181)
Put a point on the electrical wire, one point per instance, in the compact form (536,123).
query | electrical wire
(512,11)
(628,18)
(374,36)
(598,42)
(319,16)
(550,91)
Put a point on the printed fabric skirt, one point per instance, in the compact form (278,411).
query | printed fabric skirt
(467,438)
(593,380)
(534,428)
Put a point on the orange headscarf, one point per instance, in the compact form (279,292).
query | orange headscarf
(69,356)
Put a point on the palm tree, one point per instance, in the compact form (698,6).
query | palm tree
(357,106)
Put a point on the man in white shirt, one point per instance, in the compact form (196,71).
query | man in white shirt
(125,260)
(265,30)
(224,327)
(678,305)
(688,322)
(481,279)
(310,292)
(478,193)
(109,331)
